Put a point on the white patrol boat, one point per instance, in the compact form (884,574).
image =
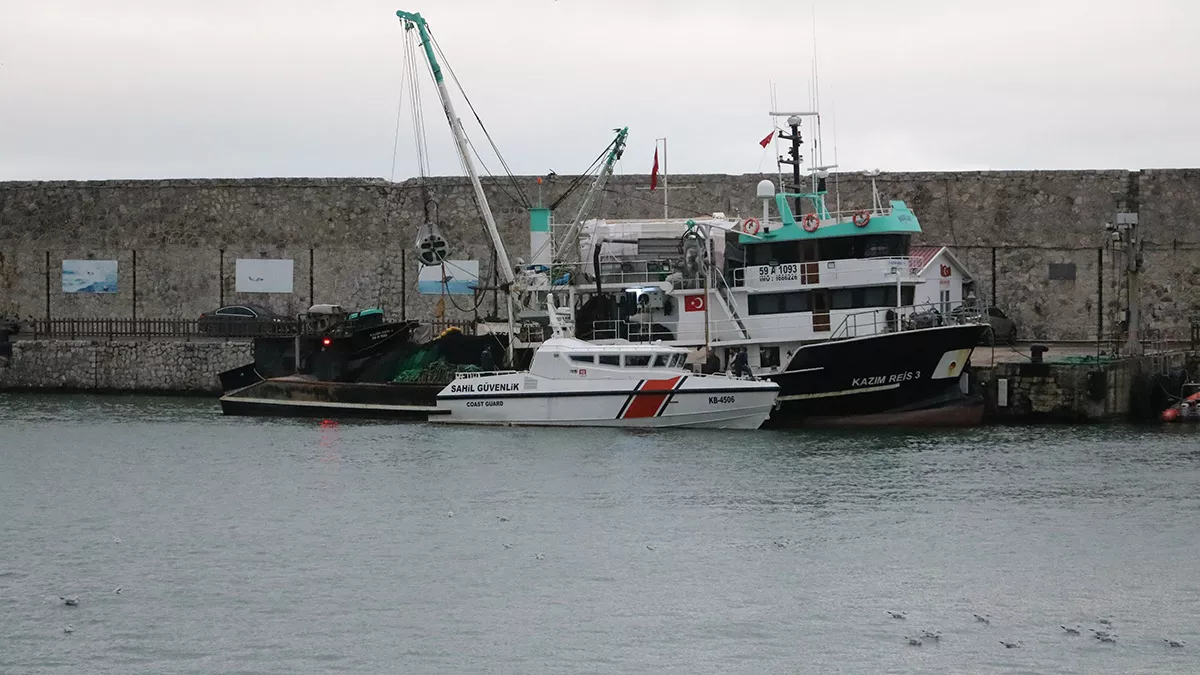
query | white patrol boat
(577,383)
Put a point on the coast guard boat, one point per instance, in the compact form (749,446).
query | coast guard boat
(575,383)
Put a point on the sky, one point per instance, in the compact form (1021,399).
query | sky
(251,88)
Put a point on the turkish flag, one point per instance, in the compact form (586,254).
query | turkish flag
(654,172)
(767,141)
(693,303)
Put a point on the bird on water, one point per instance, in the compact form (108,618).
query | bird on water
(898,615)
(1174,643)
(985,618)
(1071,631)
(69,629)
(70,602)
(913,642)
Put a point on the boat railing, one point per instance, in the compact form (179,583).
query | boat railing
(630,273)
(909,317)
(465,375)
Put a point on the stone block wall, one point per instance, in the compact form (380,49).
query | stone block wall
(159,366)
(352,240)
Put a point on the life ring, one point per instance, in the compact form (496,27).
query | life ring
(750,226)
(862,218)
(810,222)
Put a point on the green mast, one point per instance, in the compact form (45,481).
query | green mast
(411,19)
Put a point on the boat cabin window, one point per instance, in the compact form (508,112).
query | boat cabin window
(610,360)
(662,361)
(637,360)
(842,298)
(768,357)
(679,359)
(583,358)
(834,248)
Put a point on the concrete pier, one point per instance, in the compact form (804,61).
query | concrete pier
(1073,384)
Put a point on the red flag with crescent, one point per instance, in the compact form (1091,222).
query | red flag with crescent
(654,172)
(693,303)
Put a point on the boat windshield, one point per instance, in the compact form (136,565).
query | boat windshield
(663,361)
(637,360)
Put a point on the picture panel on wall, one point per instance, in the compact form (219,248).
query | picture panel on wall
(452,277)
(89,276)
(264,275)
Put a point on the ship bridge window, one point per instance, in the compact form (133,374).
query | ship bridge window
(637,360)
(583,358)
(679,359)
(662,361)
(609,360)
(779,303)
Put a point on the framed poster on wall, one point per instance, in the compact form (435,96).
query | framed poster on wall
(89,276)
(264,275)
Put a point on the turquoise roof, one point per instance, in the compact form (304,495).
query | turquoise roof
(899,220)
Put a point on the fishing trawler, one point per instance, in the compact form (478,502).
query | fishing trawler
(820,302)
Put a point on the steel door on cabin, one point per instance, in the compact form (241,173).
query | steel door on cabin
(820,315)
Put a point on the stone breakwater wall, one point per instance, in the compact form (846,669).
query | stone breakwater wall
(158,366)
(351,240)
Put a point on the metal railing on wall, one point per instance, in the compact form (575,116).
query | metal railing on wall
(185,329)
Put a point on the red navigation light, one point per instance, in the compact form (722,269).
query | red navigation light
(326,341)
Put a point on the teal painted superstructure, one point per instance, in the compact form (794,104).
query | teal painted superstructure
(899,220)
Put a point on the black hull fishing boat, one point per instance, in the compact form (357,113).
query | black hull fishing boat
(820,302)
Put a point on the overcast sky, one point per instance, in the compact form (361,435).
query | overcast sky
(233,88)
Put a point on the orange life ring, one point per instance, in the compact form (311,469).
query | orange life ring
(862,218)
(810,222)
(750,226)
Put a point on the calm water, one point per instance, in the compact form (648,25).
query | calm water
(257,546)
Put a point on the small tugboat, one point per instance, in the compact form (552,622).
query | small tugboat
(576,383)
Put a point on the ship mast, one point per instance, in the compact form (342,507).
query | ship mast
(460,140)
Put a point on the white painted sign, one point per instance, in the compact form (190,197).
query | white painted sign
(452,277)
(1002,392)
(261,275)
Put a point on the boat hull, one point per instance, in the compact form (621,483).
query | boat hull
(673,402)
(909,378)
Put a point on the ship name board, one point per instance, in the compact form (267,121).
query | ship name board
(785,272)
(885,379)
(484,387)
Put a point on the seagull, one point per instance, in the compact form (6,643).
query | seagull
(503,519)
(898,615)
(1010,645)
(782,543)
(1071,631)
(540,556)
(117,540)
(1100,633)
(1105,622)
(507,545)
(1174,643)
(649,547)
(117,590)
(1110,639)
(913,642)
(449,514)
(931,635)
(69,629)
(986,618)
(70,602)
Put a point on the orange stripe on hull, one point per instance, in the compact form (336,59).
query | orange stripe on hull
(645,404)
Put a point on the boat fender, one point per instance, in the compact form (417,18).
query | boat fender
(862,218)
(810,222)
(750,226)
